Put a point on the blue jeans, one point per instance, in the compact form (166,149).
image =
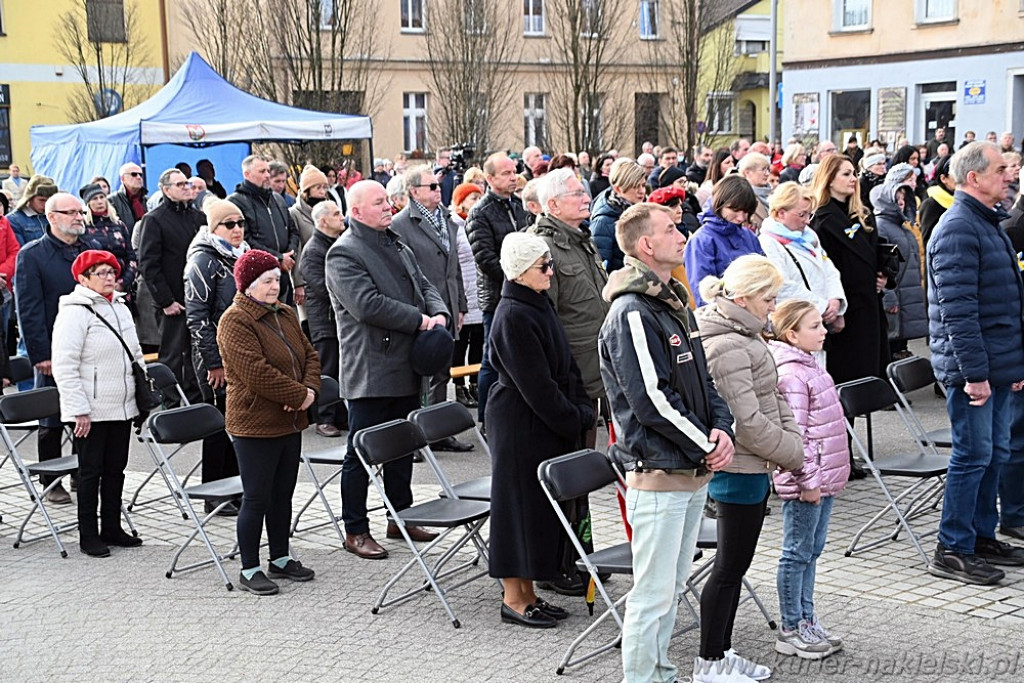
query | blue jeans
(487,376)
(665,526)
(981,446)
(1011,480)
(804,529)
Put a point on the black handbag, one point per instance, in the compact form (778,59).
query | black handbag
(147,396)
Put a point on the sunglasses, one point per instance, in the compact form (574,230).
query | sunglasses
(547,266)
(431,186)
(135,174)
(231,225)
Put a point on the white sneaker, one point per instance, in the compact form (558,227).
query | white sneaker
(717,671)
(834,641)
(802,642)
(750,669)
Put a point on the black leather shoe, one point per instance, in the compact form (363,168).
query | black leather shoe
(121,539)
(451,445)
(292,570)
(572,586)
(999,553)
(553,611)
(229,510)
(1013,531)
(93,546)
(259,584)
(857,472)
(532,617)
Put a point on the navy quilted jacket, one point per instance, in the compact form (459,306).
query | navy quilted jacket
(975,298)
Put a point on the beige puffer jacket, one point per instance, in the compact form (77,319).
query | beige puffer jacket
(767,435)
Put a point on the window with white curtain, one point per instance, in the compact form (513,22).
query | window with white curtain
(851,15)
(935,10)
(414,121)
(649,19)
(533,17)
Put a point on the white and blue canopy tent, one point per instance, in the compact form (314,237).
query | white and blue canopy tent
(197,114)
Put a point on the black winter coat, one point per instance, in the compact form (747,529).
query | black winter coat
(489,221)
(319,312)
(116,238)
(268,226)
(537,409)
(1014,225)
(862,348)
(123,206)
(165,235)
(209,291)
(42,275)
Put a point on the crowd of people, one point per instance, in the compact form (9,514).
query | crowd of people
(705,307)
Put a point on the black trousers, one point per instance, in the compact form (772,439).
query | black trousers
(269,468)
(469,349)
(370,412)
(176,354)
(739,527)
(50,435)
(219,461)
(102,457)
(337,415)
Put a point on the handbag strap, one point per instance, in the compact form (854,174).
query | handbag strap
(103,320)
(798,267)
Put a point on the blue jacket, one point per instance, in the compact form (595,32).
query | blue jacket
(603,217)
(27,228)
(975,298)
(42,276)
(711,249)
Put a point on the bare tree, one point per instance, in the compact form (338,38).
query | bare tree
(315,54)
(588,110)
(472,52)
(673,65)
(103,43)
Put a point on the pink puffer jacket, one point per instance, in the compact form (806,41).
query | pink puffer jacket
(811,393)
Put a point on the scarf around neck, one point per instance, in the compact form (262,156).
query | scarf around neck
(805,239)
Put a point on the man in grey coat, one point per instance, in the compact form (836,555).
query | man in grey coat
(426,227)
(381,300)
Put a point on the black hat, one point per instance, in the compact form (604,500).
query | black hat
(431,351)
(670,175)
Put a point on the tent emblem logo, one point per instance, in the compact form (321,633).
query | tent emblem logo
(195,132)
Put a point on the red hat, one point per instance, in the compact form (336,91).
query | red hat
(251,265)
(93,257)
(666,194)
(464,190)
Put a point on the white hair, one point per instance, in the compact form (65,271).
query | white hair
(395,187)
(321,210)
(646,157)
(553,184)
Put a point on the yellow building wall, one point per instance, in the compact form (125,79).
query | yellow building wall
(39,79)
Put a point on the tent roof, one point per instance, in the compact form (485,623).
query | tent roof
(199,106)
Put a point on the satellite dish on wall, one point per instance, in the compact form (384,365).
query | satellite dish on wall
(108,102)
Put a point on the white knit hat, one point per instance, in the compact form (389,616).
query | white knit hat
(519,251)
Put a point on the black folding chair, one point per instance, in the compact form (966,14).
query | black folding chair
(25,407)
(333,457)
(907,376)
(169,432)
(21,371)
(926,468)
(390,442)
(441,421)
(167,384)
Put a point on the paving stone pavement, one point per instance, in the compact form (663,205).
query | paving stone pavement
(120,619)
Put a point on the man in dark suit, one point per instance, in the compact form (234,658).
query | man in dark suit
(425,226)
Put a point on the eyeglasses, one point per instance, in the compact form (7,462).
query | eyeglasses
(231,225)
(135,174)
(805,215)
(577,193)
(430,186)
(546,267)
(181,185)
(72,212)
(105,273)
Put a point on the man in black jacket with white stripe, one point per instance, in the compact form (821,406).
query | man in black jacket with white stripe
(669,421)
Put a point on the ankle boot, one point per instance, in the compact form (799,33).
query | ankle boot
(93,546)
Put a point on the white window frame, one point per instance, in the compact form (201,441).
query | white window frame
(530,18)
(407,8)
(411,116)
(839,23)
(653,9)
(591,10)
(716,97)
(921,13)
(535,119)
(328,8)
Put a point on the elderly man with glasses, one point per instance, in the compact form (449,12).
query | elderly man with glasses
(130,201)
(42,275)
(164,236)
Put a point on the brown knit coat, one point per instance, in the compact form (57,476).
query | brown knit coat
(269,364)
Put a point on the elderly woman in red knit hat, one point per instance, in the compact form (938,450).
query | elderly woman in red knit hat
(273,374)
(97,394)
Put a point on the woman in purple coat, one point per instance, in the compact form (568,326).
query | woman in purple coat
(808,491)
